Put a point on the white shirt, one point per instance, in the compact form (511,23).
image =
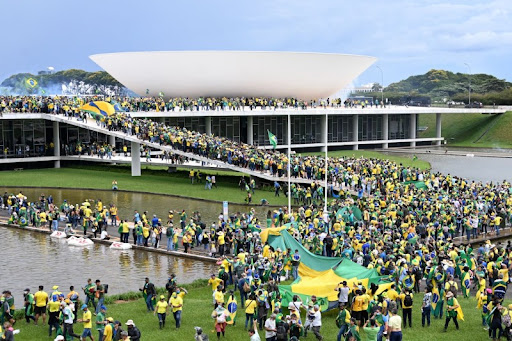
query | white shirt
(104,234)
(317,322)
(343,296)
(270,324)
(68,314)
(255,337)
(294,305)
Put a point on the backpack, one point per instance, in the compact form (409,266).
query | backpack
(408,300)
(247,287)
(281,331)
(452,288)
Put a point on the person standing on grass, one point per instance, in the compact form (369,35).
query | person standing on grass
(149,293)
(87,321)
(395,326)
(100,295)
(407,301)
(451,310)
(426,307)
(342,321)
(372,331)
(270,328)
(253,332)
(162,308)
(41,299)
(176,303)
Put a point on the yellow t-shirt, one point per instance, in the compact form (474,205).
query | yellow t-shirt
(161,307)
(87,316)
(392,294)
(219,297)
(214,283)
(108,333)
(250,305)
(53,306)
(176,303)
(402,298)
(40,297)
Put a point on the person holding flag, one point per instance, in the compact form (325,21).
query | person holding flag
(231,308)
(453,311)
(465,282)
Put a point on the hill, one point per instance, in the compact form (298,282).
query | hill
(65,82)
(442,85)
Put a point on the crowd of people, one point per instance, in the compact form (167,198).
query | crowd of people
(71,104)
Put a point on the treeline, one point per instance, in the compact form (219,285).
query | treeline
(496,97)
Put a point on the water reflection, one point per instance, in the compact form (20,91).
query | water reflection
(36,259)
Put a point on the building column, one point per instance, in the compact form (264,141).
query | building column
(112,140)
(413,129)
(56,143)
(208,124)
(250,130)
(135,151)
(438,128)
(355,131)
(323,129)
(385,131)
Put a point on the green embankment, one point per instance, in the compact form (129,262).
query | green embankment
(471,130)
(198,308)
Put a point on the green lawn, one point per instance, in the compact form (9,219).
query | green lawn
(152,180)
(406,161)
(198,308)
(471,130)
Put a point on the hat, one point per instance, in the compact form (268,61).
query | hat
(117,322)
(55,287)
(130,323)
(59,338)
(449,294)
(84,306)
(110,319)
(103,307)
(162,297)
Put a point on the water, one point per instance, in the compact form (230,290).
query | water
(127,202)
(36,259)
(31,259)
(485,169)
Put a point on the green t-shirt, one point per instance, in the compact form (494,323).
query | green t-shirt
(371,333)
(100,319)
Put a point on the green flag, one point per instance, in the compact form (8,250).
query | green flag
(414,158)
(273,139)
(161,94)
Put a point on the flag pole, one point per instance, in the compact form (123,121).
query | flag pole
(289,165)
(326,213)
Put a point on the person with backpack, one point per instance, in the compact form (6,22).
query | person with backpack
(133,332)
(281,329)
(451,285)
(407,301)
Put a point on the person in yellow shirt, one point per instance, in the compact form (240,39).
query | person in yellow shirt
(176,302)
(41,299)
(87,321)
(218,296)
(161,309)
(250,308)
(357,306)
(108,333)
(214,282)
(406,298)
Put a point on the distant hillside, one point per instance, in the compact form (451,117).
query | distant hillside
(66,82)
(442,84)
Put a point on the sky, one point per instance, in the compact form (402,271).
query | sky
(407,37)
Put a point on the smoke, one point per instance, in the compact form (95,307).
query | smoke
(72,88)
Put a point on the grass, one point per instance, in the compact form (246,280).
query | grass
(151,180)
(198,308)
(406,161)
(471,130)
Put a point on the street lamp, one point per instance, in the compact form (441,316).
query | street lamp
(469,88)
(382,84)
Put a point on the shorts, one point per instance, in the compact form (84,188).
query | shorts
(87,333)
(40,310)
(357,315)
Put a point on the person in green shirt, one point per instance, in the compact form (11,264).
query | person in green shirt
(100,322)
(372,331)
(352,331)
(342,321)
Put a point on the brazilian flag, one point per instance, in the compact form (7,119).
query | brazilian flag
(273,139)
(232,308)
(466,284)
(31,82)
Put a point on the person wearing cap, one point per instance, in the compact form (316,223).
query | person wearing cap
(161,309)
(118,330)
(133,331)
(41,299)
(451,310)
(108,333)
(100,321)
(87,321)
(28,299)
(56,291)
(176,302)
(342,321)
